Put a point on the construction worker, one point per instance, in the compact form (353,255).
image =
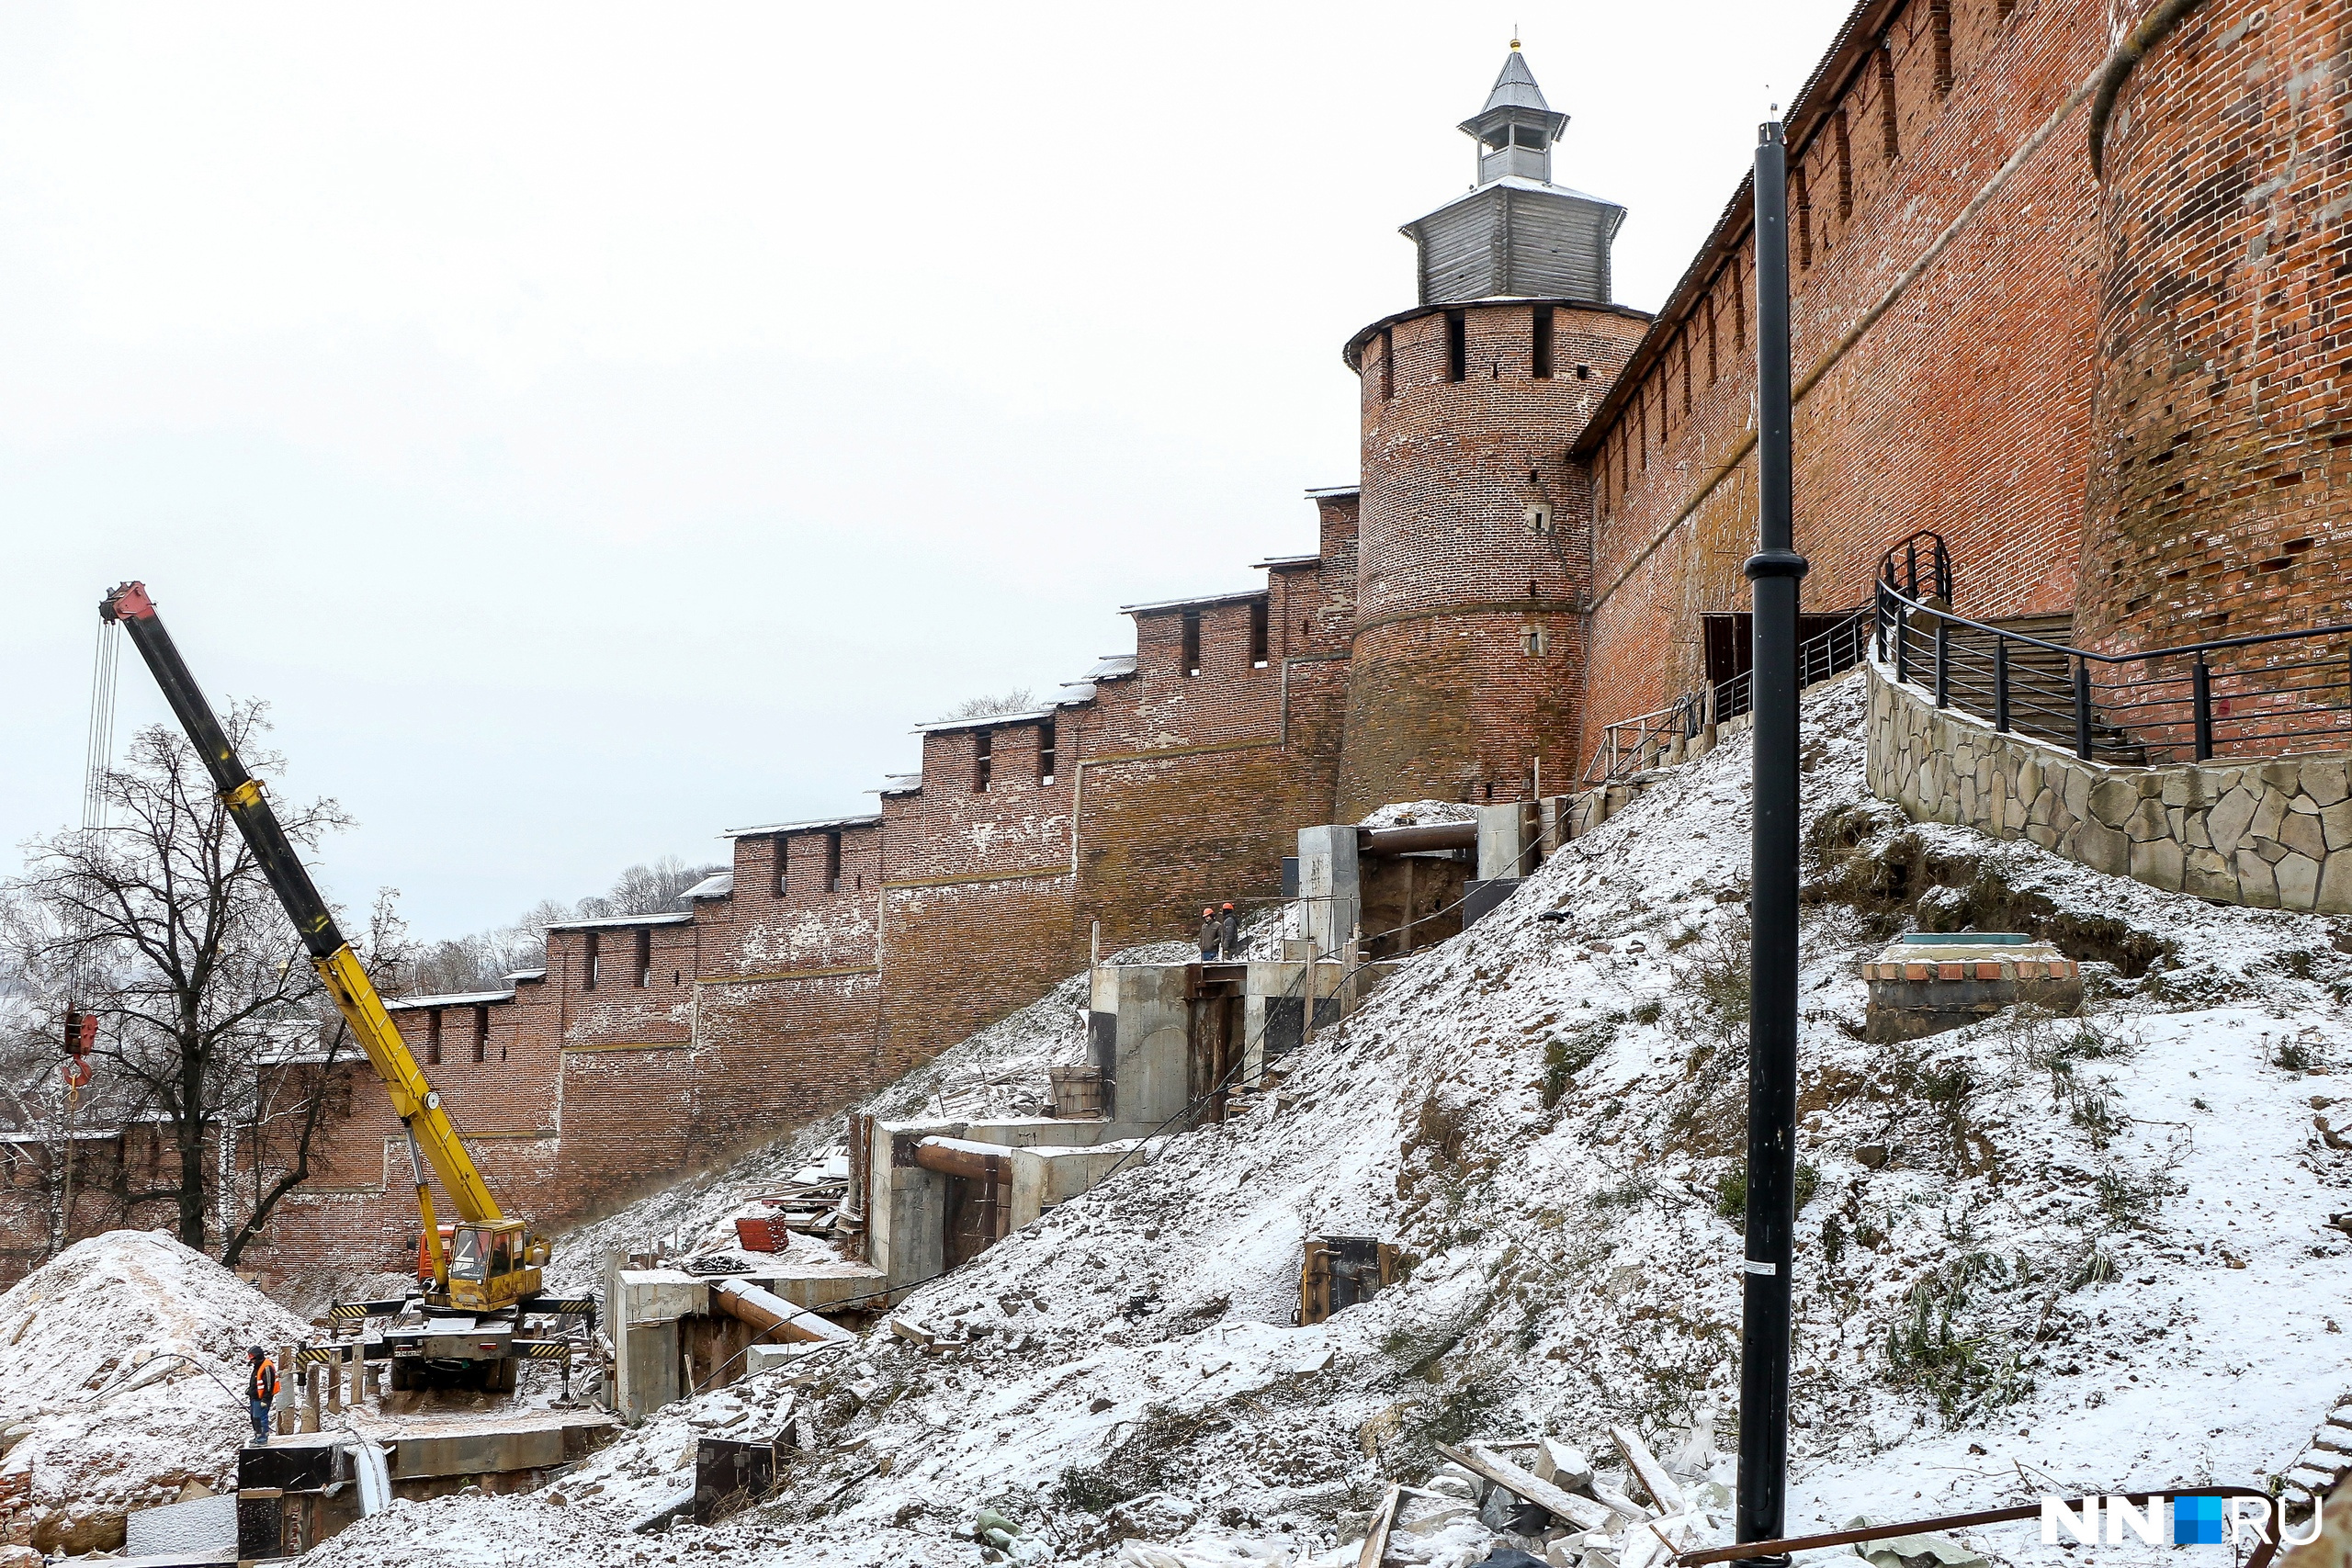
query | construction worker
(261,1391)
(1209,935)
(1228,934)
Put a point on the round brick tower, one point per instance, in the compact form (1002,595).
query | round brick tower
(2218,500)
(1473,544)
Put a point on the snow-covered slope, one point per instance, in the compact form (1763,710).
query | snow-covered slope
(2037,1254)
(124,1356)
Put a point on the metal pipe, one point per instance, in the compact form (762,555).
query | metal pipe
(2001,684)
(765,1310)
(961,1157)
(2082,709)
(1774,572)
(2200,687)
(1943,663)
(1426,836)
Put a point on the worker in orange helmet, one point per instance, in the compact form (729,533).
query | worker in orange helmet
(1210,933)
(1228,934)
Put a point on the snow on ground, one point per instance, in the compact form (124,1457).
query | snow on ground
(2037,1254)
(124,1359)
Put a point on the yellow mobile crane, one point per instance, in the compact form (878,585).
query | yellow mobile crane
(483,1281)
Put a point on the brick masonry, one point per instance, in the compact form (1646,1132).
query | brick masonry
(2131,388)
(2218,501)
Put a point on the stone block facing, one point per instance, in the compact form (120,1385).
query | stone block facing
(2269,834)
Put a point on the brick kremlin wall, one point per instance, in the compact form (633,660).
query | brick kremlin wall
(887,937)
(1468,648)
(2218,495)
(1964,409)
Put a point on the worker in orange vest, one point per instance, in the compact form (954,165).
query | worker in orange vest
(261,1391)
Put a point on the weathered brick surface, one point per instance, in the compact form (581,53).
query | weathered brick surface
(1474,550)
(1964,409)
(2218,497)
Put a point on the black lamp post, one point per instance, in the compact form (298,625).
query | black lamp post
(1774,571)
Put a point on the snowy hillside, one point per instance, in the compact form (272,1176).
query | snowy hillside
(2040,1254)
(122,1366)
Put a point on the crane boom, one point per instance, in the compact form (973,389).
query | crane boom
(414,1099)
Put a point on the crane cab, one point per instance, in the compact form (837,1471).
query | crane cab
(492,1264)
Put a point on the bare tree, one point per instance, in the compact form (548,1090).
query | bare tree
(165,926)
(644,890)
(1018,700)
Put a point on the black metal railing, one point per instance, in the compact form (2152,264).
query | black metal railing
(1630,746)
(1819,657)
(2269,695)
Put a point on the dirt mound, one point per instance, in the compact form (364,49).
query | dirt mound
(123,1365)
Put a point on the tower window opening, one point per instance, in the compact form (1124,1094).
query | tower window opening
(833,862)
(1539,520)
(588,961)
(1536,641)
(1543,343)
(644,957)
(1388,364)
(1886,100)
(481,1033)
(1457,345)
(1188,656)
(1738,310)
(1258,634)
(1046,752)
(1940,29)
(1534,588)
(1712,371)
(1584,372)
(783,868)
(983,758)
(433,1038)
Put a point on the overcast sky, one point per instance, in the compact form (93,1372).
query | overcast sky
(592,428)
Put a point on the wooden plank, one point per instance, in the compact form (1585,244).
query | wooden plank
(1375,1539)
(1618,1502)
(1646,1469)
(1581,1512)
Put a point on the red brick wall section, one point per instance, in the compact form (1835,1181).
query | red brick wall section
(1964,409)
(1468,642)
(2217,498)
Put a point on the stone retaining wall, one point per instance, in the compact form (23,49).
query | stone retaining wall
(2269,834)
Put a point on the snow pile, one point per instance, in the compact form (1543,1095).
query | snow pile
(1421,813)
(469,1529)
(2040,1254)
(125,1361)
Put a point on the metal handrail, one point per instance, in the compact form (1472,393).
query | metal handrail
(1818,658)
(1893,611)
(2117,657)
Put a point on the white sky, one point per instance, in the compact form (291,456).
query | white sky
(594,427)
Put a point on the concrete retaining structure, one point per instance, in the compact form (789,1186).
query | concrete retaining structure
(2272,835)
